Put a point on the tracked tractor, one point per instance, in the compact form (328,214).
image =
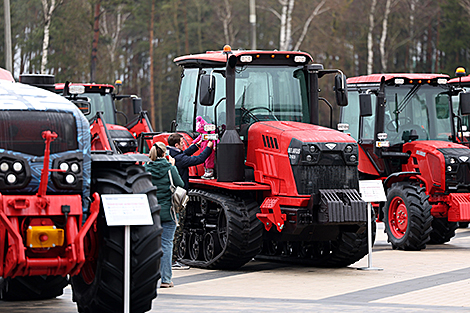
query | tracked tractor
(52,224)
(286,189)
(410,138)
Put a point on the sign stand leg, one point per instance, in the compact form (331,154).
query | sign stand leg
(127,259)
(369,241)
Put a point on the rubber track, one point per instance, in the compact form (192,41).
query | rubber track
(348,249)
(105,293)
(244,231)
(442,230)
(419,217)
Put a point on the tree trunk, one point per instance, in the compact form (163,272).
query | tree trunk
(370,51)
(383,39)
(412,35)
(94,45)
(282,35)
(48,10)
(152,92)
(317,11)
(288,42)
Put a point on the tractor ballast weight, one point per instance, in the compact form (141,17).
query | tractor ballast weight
(286,189)
(52,222)
(412,142)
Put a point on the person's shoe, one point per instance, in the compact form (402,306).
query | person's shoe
(209,174)
(179,266)
(167,285)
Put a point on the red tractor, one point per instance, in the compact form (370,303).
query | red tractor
(286,189)
(103,114)
(409,137)
(52,222)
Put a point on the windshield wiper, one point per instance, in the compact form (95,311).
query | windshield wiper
(399,107)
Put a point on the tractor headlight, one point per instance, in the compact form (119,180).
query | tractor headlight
(11,178)
(17,166)
(70,179)
(75,167)
(70,176)
(4,167)
(64,166)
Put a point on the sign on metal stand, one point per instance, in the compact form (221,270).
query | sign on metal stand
(127,211)
(371,191)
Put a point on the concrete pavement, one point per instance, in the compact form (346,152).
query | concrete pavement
(436,279)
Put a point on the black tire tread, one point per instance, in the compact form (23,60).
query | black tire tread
(33,288)
(419,217)
(105,293)
(442,231)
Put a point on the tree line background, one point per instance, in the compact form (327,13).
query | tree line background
(136,41)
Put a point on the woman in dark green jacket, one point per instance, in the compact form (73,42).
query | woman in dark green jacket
(159,168)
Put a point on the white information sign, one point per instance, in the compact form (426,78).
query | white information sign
(122,210)
(372,191)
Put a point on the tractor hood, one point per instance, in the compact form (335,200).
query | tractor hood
(302,143)
(445,164)
(302,132)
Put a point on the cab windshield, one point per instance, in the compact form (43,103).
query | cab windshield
(261,93)
(103,103)
(423,108)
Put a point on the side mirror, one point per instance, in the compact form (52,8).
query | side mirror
(365,104)
(137,104)
(207,90)
(83,105)
(464,103)
(341,90)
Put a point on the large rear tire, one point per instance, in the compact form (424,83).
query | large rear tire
(442,230)
(33,288)
(100,285)
(407,217)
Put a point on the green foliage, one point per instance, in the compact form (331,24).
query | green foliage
(436,41)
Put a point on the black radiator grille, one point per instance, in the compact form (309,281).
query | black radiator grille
(310,178)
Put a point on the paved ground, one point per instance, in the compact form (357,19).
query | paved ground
(433,280)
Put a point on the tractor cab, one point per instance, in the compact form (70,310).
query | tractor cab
(97,103)
(461,87)
(409,133)
(412,107)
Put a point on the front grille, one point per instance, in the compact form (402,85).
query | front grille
(310,178)
(21,131)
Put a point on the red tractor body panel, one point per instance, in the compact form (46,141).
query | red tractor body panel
(376,78)
(221,57)
(268,151)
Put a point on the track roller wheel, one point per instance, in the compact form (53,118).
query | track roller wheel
(224,232)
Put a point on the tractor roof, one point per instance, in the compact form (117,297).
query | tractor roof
(89,87)
(376,78)
(464,80)
(6,75)
(219,58)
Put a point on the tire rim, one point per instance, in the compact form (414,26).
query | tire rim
(398,217)
(183,245)
(194,246)
(209,247)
